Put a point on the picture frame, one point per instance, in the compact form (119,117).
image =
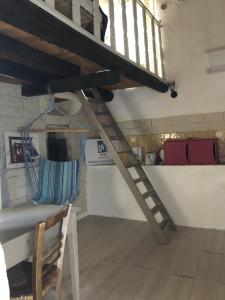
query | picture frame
(14,149)
(96,153)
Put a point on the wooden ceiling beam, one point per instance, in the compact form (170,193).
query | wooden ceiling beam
(76,83)
(18,52)
(30,18)
(18,71)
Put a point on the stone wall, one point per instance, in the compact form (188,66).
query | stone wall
(16,111)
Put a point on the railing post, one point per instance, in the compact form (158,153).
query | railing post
(76,12)
(124,16)
(112,26)
(161,51)
(134,2)
(50,3)
(154,46)
(97,20)
(145,37)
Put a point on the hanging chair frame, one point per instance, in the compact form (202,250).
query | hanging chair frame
(33,165)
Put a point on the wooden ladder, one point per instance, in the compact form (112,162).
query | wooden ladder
(128,164)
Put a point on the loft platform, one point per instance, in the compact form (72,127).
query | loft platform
(54,130)
(38,44)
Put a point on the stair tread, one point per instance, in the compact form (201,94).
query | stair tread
(125,151)
(146,195)
(119,137)
(130,165)
(101,113)
(140,179)
(109,126)
(157,209)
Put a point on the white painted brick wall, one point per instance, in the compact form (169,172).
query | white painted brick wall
(16,111)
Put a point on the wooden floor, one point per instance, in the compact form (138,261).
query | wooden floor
(120,260)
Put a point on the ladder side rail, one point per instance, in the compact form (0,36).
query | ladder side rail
(140,171)
(159,234)
(154,194)
(115,125)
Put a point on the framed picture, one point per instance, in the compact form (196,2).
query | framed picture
(96,153)
(14,149)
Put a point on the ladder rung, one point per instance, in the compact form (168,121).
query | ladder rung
(125,152)
(141,179)
(157,209)
(109,126)
(146,195)
(130,165)
(102,113)
(115,138)
(153,193)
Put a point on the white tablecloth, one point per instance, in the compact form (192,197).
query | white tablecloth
(3,277)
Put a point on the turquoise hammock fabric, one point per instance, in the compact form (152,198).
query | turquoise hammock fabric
(51,182)
(59,182)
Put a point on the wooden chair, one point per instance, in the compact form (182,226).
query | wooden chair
(33,280)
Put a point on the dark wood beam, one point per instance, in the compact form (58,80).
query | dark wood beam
(30,18)
(22,72)
(20,53)
(12,80)
(73,84)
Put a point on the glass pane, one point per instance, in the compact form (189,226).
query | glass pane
(130,30)
(141,39)
(118,23)
(158,51)
(104,4)
(150,43)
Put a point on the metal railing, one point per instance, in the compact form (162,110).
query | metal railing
(132,29)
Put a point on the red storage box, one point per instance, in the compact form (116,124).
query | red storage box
(203,152)
(176,152)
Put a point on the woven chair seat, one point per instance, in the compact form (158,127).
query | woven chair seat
(20,279)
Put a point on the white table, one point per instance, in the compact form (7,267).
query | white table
(17,236)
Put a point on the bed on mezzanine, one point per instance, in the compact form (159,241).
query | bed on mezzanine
(54,42)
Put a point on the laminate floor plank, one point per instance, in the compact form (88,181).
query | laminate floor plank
(130,284)
(168,287)
(103,243)
(215,241)
(113,264)
(119,264)
(206,285)
(189,251)
(121,260)
(96,230)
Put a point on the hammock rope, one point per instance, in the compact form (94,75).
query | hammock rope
(51,182)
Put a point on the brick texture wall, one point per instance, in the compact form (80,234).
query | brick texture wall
(150,134)
(16,111)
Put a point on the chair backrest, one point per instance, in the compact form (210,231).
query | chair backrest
(48,258)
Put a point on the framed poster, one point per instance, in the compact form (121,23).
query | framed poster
(14,149)
(96,153)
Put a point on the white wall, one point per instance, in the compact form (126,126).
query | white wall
(193,195)
(190,28)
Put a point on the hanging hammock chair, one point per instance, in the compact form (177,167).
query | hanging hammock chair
(52,182)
